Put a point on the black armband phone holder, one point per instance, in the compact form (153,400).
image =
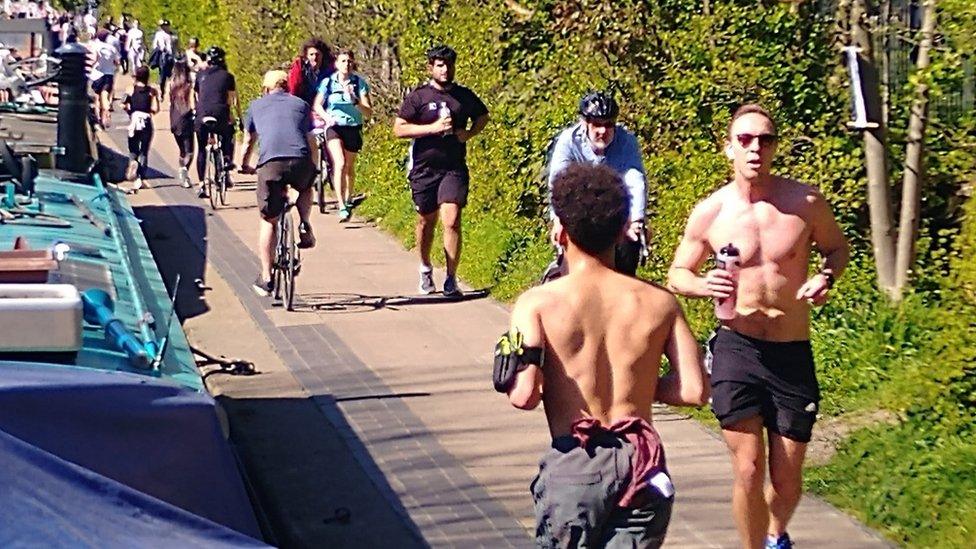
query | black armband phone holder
(511,357)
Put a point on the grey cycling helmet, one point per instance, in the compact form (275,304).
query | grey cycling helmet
(599,105)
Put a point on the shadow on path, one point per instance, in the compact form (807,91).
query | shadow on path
(177,253)
(361,303)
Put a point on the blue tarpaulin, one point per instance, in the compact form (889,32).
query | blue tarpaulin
(98,458)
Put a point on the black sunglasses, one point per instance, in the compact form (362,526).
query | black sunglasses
(765,139)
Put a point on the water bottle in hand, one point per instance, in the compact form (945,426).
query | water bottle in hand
(444,112)
(727,258)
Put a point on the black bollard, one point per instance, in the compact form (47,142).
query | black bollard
(73,107)
(28,174)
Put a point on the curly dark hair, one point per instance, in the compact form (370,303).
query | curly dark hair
(592,204)
(319,44)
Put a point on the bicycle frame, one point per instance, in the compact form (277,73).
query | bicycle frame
(215,158)
(286,262)
(324,176)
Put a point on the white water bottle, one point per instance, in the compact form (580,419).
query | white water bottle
(444,112)
(727,258)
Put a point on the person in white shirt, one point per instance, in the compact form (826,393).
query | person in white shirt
(90,21)
(163,51)
(119,39)
(113,40)
(194,60)
(102,75)
(11,81)
(134,45)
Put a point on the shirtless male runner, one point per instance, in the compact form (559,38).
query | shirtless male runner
(762,367)
(589,346)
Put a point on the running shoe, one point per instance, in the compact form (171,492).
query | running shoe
(344,215)
(427,280)
(137,184)
(262,287)
(356,200)
(203,192)
(305,237)
(783,542)
(185,177)
(451,287)
(132,170)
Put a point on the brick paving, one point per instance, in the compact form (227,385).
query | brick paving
(405,385)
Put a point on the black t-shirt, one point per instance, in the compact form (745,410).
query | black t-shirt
(212,85)
(421,106)
(140,100)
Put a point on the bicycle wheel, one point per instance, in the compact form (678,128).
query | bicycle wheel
(210,176)
(278,262)
(320,182)
(291,263)
(222,178)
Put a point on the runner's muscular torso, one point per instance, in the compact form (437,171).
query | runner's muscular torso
(774,238)
(605,334)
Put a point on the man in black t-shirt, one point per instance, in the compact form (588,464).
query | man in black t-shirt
(440,117)
(215,92)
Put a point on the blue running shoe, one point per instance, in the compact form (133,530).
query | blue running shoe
(783,542)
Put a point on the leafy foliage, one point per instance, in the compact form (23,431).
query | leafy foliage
(678,73)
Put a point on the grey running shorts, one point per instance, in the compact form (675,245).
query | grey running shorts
(576,494)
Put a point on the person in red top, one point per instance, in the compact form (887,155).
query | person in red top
(313,65)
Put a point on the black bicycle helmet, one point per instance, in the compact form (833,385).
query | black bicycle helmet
(215,55)
(599,105)
(442,52)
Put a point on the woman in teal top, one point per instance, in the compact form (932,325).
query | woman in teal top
(342,102)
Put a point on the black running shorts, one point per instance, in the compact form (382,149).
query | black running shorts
(774,380)
(103,83)
(431,188)
(274,176)
(350,136)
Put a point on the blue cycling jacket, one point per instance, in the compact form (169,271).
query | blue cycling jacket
(623,156)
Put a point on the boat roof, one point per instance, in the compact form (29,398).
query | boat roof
(107,251)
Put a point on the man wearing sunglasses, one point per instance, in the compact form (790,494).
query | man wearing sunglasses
(598,139)
(762,370)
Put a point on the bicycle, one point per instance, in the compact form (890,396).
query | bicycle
(216,175)
(287,260)
(557,267)
(324,175)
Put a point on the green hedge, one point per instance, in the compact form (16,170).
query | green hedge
(678,73)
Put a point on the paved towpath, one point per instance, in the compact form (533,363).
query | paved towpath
(371,402)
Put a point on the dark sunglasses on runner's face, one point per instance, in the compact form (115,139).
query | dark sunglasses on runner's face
(765,139)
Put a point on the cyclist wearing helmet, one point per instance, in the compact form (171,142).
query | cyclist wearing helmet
(598,139)
(215,92)
(439,117)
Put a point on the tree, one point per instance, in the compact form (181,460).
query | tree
(894,265)
(875,151)
(914,157)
